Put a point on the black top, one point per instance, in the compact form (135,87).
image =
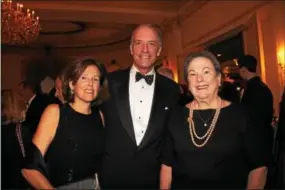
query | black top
(224,162)
(77,147)
(12,157)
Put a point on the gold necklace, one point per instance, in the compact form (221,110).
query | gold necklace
(209,132)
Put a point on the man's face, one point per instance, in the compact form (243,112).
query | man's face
(242,72)
(145,48)
(23,92)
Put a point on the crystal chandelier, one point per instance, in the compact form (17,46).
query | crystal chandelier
(16,26)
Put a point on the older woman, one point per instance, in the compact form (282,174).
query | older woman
(211,143)
(70,136)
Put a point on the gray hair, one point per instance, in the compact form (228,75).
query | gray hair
(154,27)
(166,72)
(204,54)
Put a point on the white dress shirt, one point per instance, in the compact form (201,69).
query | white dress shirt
(140,97)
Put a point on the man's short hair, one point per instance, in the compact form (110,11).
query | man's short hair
(154,27)
(32,84)
(166,72)
(249,62)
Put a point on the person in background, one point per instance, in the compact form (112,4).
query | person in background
(12,107)
(257,97)
(185,96)
(211,144)
(257,100)
(280,145)
(70,136)
(13,133)
(136,116)
(164,71)
(229,90)
(56,92)
(35,101)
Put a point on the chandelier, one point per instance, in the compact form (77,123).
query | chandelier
(16,26)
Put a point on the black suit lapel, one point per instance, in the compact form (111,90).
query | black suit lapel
(121,91)
(156,112)
(31,109)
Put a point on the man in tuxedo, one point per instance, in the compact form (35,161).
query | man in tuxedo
(36,102)
(257,100)
(136,116)
(257,97)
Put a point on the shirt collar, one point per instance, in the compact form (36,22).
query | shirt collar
(134,70)
(31,99)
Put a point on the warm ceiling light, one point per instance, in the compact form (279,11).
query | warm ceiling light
(18,27)
(281,56)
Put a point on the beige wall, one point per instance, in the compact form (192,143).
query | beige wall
(262,23)
(215,18)
(272,36)
(10,70)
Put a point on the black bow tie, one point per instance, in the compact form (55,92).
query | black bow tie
(148,78)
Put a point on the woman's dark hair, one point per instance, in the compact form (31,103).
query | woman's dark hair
(205,54)
(74,70)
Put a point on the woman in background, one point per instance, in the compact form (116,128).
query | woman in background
(71,135)
(13,133)
(12,106)
(211,143)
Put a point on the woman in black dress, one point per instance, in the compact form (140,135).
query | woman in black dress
(69,143)
(210,142)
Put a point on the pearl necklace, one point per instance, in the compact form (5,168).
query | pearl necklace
(209,132)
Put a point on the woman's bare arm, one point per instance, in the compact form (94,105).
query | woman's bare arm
(43,137)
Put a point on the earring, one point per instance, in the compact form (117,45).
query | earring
(71,91)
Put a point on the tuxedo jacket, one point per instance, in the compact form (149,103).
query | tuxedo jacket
(126,165)
(257,100)
(35,110)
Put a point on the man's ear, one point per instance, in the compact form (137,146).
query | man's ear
(131,49)
(159,51)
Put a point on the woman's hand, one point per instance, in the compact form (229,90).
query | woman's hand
(257,178)
(165,177)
